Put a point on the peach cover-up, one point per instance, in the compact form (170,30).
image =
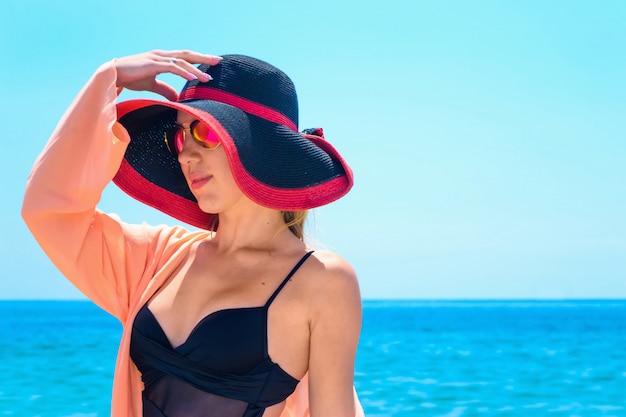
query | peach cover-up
(115,264)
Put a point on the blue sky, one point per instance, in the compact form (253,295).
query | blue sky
(487,137)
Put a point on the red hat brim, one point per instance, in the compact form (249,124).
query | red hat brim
(273,165)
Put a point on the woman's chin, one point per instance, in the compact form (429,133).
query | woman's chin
(209,207)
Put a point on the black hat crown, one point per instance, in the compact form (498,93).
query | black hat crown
(250,79)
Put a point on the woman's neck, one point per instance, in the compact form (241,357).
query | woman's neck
(259,230)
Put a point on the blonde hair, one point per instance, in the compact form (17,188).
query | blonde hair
(294,220)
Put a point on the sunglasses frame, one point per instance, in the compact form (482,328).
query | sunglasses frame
(171,132)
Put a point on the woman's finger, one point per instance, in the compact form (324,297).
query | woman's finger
(182,69)
(165,90)
(192,72)
(182,63)
(191,57)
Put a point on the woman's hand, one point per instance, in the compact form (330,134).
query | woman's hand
(138,72)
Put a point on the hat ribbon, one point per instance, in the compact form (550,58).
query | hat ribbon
(264,112)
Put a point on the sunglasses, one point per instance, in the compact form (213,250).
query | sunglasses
(200,132)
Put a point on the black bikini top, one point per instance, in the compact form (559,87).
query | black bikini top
(222,369)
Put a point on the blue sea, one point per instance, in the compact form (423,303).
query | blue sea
(415,358)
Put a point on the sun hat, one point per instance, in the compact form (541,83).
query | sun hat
(253,108)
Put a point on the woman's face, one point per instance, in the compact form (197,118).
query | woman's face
(207,173)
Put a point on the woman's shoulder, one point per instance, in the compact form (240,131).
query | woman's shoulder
(333,266)
(331,277)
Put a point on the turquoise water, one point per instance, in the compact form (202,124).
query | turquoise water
(416,358)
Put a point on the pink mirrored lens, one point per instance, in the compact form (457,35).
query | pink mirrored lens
(179,140)
(204,135)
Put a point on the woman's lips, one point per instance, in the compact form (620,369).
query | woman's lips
(199,182)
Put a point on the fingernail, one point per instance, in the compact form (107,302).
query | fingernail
(206,76)
(193,76)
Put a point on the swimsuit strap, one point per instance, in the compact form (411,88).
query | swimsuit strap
(282,284)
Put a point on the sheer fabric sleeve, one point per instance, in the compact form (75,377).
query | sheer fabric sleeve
(103,257)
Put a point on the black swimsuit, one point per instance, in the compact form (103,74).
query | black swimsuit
(223,369)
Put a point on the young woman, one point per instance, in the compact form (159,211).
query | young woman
(236,316)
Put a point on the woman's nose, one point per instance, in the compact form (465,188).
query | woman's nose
(189,152)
